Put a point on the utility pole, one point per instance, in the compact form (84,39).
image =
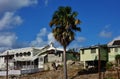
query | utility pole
(7,65)
(99,62)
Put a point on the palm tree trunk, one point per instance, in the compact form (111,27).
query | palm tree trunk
(65,65)
(117,62)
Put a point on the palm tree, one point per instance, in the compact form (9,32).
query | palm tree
(64,25)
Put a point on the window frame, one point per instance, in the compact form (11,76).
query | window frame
(93,50)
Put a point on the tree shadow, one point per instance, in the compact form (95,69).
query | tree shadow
(87,72)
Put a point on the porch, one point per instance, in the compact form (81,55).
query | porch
(26,65)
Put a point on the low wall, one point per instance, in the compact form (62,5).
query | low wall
(20,72)
(10,72)
(31,71)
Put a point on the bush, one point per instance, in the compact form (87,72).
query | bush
(109,65)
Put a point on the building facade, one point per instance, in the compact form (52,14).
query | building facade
(89,56)
(29,58)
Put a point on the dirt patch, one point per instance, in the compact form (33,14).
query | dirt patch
(74,72)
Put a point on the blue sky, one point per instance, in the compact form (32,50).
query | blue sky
(25,23)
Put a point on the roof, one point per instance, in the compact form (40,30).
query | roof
(30,49)
(14,51)
(60,49)
(95,46)
(51,48)
(116,42)
(89,47)
(113,46)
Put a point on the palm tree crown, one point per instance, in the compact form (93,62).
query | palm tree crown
(64,24)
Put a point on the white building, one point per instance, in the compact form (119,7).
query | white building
(29,58)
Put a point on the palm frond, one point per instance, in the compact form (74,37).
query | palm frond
(65,24)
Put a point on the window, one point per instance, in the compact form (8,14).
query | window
(29,53)
(116,49)
(111,49)
(25,53)
(40,59)
(82,51)
(108,50)
(93,50)
(21,54)
(17,54)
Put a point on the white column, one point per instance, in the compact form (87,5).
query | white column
(84,65)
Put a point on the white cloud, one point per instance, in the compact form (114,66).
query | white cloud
(107,26)
(105,34)
(13,5)
(42,32)
(9,20)
(80,39)
(117,38)
(39,41)
(51,38)
(43,38)
(77,43)
(4,48)
(7,39)
(74,45)
(46,2)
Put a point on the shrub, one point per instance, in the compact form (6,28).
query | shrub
(109,65)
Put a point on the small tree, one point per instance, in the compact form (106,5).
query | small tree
(64,24)
(117,58)
(73,54)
